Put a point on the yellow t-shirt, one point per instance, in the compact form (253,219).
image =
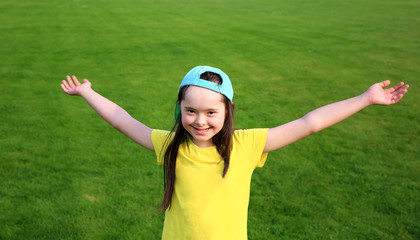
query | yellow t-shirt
(204,204)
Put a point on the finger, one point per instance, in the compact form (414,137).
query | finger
(65,85)
(384,83)
(399,94)
(75,81)
(402,91)
(71,84)
(396,87)
(396,98)
(85,80)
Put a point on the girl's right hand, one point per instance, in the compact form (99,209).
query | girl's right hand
(73,87)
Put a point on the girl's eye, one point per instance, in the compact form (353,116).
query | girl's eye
(211,113)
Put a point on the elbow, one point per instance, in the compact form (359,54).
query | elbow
(311,124)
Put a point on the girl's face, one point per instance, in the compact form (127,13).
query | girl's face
(203,114)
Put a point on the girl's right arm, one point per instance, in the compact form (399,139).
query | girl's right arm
(111,112)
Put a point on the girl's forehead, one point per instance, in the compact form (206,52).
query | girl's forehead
(202,96)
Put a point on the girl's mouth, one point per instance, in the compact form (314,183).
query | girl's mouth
(201,131)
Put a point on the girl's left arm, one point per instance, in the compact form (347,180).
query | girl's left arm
(331,114)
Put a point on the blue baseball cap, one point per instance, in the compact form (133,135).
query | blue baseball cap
(193,78)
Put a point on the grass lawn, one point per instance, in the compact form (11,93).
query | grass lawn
(66,174)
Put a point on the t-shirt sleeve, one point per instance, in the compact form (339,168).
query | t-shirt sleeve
(254,141)
(160,141)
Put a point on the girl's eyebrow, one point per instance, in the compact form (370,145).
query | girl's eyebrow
(210,109)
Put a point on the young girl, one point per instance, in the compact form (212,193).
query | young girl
(207,163)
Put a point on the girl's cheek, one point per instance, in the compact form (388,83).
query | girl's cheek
(186,120)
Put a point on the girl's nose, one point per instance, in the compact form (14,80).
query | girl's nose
(200,120)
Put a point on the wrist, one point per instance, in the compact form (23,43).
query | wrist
(86,92)
(365,99)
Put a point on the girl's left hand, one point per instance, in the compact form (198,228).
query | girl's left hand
(73,87)
(378,95)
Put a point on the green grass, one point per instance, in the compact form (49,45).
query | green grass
(66,174)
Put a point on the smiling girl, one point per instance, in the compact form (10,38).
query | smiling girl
(207,163)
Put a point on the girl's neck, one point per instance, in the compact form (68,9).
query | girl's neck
(203,144)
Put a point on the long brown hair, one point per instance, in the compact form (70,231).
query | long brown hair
(222,140)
